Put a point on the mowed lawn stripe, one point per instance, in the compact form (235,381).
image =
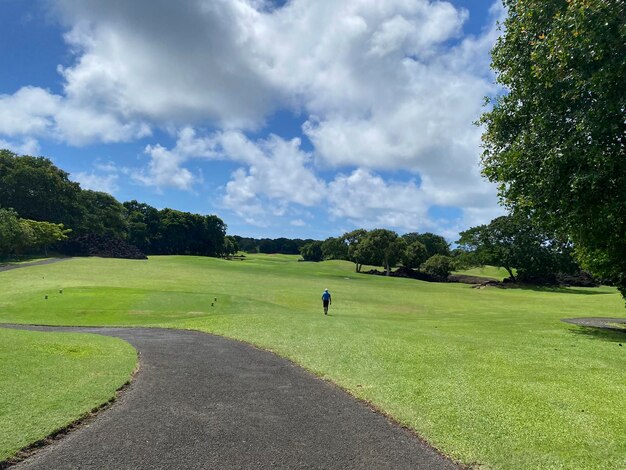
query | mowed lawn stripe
(487,376)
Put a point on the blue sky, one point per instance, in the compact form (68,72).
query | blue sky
(297,119)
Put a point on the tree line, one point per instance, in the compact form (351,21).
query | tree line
(513,242)
(428,252)
(41,207)
(285,246)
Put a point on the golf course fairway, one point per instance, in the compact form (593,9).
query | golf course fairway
(489,377)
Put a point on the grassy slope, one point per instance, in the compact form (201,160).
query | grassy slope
(489,376)
(48,380)
(492,272)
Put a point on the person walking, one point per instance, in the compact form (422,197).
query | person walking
(326,300)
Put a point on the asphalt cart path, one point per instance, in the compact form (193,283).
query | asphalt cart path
(201,401)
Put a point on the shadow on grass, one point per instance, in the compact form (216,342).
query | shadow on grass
(559,289)
(614,335)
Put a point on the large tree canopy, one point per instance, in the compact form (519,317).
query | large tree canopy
(555,141)
(516,244)
(381,247)
(434,244)
(36,189)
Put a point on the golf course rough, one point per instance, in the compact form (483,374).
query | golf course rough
(48,380)
(488,376)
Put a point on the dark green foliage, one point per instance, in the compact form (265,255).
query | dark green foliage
(464,259)
(555,143)
(284,246)
(231,247)
(434,244)
(143,224)
(353,239)
(101,214)
(189,234)
(414,255)
(438,265)
(312,251)
(37,189)
(334,248)
(40,192)
(249,245)
(514,242)
(381,247)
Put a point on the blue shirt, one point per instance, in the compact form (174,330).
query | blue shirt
(326,295)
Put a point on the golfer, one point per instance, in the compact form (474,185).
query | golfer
(326,300)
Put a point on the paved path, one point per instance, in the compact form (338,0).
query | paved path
(8,267)
(200,402)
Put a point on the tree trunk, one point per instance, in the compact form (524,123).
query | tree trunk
(510,271)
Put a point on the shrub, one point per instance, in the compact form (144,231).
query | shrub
(438,265)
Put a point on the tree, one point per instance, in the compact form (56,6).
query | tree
(230,246)
(334,248)
(102,214)
(353,239)
(555,142)
(414,255)
(381,247)
(435,244)
(37,190)
(13,233)
(438,265)
(21,235)
(312,251)
(514,243)
(45,234)
(184,233)
(143,224)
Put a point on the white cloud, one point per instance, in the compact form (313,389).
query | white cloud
(275,172)
(369,201)
(27,146)
(107,183)
(35,112)
(27,112)
(380,85)
(164,170)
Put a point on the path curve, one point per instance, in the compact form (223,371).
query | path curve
(201,401)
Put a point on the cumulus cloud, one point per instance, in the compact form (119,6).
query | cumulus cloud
(27,146)
(368,200)
(165,170)
(107,183)
(380,84)
(35,112)
(275,172)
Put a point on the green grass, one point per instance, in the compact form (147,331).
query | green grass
(48,380)
(488,376)
(492,272)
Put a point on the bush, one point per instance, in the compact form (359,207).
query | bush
(438,265)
